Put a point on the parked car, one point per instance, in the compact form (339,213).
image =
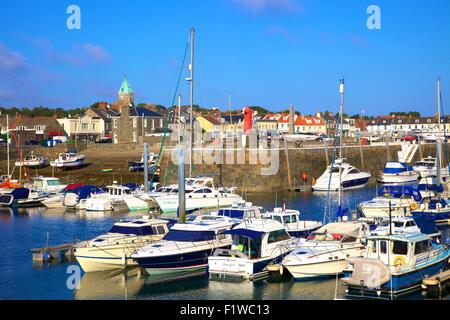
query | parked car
(32,143)
(325,138)
(105,140)
(409,137)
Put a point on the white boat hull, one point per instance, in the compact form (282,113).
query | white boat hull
(396,179)
(169,204)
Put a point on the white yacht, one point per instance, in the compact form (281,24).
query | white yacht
(398,173)
(186,247)
(350,178)
(116,197)
(48,184)
(257,243)
(396,200)
(68,160)
(426,167)
(240,211)
(32,161)
(396,225)
(198,198)
(326,251)
(113,250)
(291,220)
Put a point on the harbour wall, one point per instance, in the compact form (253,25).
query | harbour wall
(249,178)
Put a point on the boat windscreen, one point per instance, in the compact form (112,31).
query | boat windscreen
(138,230)
(189,236)
(232,213)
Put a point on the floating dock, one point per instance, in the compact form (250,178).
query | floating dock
(302,188)
(436,284)
(52,253)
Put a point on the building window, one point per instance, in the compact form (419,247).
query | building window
(135,137)
(134,123)
(115,123)
(21,128)
(161,123)
(85,126)
(145,123)
(39,128)
(93,126)
(153,124)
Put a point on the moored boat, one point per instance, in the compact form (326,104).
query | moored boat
(394,265)
(256,244)
(68,161)
(32,161)
(291,220)
(113,250)
(186,248)
(398,173)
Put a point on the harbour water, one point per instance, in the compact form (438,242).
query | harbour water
(26,229)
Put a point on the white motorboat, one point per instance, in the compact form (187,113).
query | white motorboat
(68,161)
(113,250)
(186,247)
(54,201)
(291,220)
(396,225)
(32,161)
(398,173)
(257,243)
(48,184)
(198,198)
(76,199)
(301,137)
(116,198)
(349,179)
(240,211)
(22,197)
(326,251)
(392,200)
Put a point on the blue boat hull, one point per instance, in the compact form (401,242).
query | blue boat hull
(178,263)
(404,283)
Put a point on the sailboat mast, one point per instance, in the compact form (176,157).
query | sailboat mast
(191,123)
(179,118)
(341,129)
(7,143)
(439,142)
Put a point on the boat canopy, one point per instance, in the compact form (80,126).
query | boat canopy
(232,213)
(431,187)
(189,236)
(432,203)
(344,228)
(86,191)
(20,193)
(397,167)
(400,191)
(252,234)
(137,230)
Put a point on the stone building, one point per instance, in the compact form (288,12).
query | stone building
(132,124)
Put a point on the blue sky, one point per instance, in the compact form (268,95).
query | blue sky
(263,52)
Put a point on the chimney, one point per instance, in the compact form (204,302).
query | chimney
(291,120)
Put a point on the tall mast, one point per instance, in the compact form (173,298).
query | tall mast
(7,142)
(179,118)
(191,124)
(438,141)
(341,124)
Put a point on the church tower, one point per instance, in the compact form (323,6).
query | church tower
(126,94)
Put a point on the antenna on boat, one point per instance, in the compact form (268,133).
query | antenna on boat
(390,217)
(191,81)
(341,122)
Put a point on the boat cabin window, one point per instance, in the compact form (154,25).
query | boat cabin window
(209,184)
(349,239)
(422,246)
(126,191)
(396,224)
(159,230)
(189,236)
(277,218)
(53,183)
(354,171)
(373,246)
(203,191)
(294,218)
(410,224)
(249,247)
(383,247)
(277,236)
(335,170)
(400,248)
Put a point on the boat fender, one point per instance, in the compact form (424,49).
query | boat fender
(399,261)
(414,207)
(47,257)
(124,259)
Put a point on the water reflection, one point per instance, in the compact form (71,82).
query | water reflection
(119,285)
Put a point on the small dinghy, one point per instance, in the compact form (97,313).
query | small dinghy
(32,161)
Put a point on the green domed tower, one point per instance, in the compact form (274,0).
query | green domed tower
(126,93)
